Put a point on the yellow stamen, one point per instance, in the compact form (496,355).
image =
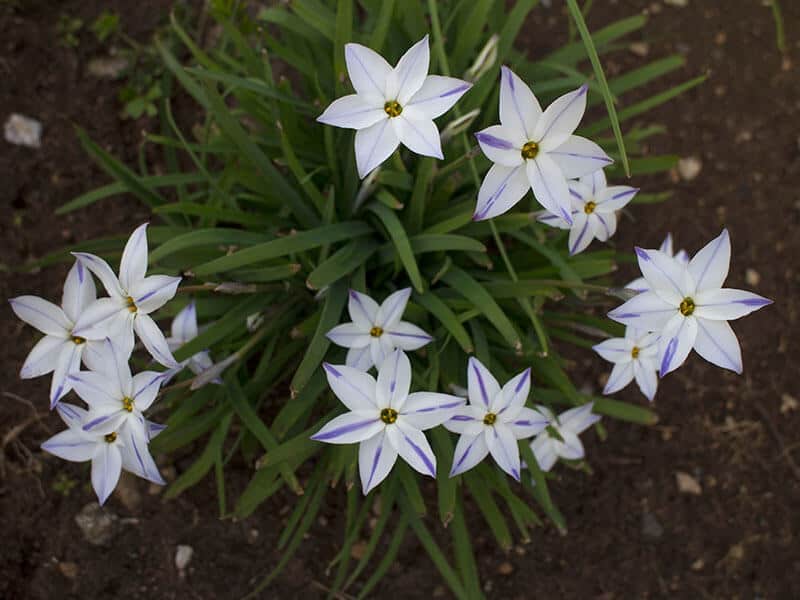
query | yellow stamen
(131,304)
(127,404)
(376,331)
(589,207)
(388,415)
(392,108)
(530,150)
(111,437)
(687,306)
(489,419)
(635,352)
(77,340)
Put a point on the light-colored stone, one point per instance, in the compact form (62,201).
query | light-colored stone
(183,556)
(640,48)
(107,67)
(687,484)
(68,569)
(689,168)
(678,3)
(788,403)
(752,277)
(23,131)
(96,524)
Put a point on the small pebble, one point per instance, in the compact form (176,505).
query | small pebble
(698,565)
(687,484)
(689,168)
(23,131)
(678,3)
(107,67)
(505,568)
(183,556)
(640,48)
(68,569)
(752,277)
(788,403)
(96,524)
(358,549)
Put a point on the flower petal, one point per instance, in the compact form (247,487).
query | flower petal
(423,410)
(578,156)
(133,264)
(438,94)
(103,272)
(349,335)
(466,420)
(392,309)
(136,456)
(374,145)
(184,325)
(145,388)
(549,185)
(408,76)
(620,376)
(500,190)
(646,378)
(70,445)
(544,450)
(481,384)
(106,468)
(408,336)
(727,304)
(354,388)
(470,450)
(709,267)
(604,225)
(350,428)
(571,448)
(95,322)
(519,108)
(394,381)
(615,350)
(151,293)
(79,291)
(666,276)
(614,198)
(513,396)
(504,449)
(353,112)
(359,358)
(676,342)
(496,143)
(97,389)
(376,457)
(41,314)
(553,220)
(412,445)
(154,341)
(581,233)
(647,311)
(43,356)
(68,362)
(362,309)
(578,419)
(367,69)
(418,133)
(527,423)
(638,285)
(717,343)
(73,416)
(560,119)
(378,350)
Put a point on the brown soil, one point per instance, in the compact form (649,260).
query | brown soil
(633,534)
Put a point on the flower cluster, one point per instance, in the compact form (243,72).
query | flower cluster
(99,333)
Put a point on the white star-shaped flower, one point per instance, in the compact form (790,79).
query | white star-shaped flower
(534,149)
(184,329)
(385,419)
(60,351)
(634,357)
(393,106)
(594,206)
(493,421)
(110,452)
(688,307)
(375,331)
(640,284)
(560,438)
(132,297)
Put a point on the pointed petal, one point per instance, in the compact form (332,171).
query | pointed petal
(363,310)
(376,457)
(482,385)
(423,410)
(615,350)
(666,245)
(41,314)
(70,445)
(367,69)
(136,456)
(378,350)
(394,381)
(553,220)
(374,145)
(549,185)
(615,197)
(418,133)
(151,293)
(145,388)
(43,356)
(437,95)
(413,447)
(571,448)
(513,396)
(105,421)
(73,416)
(496,143)
(359,358)
(709,267)
(605,225)
(504,449)
(95,322)
(153,429)
(408,336)
(676,342)
(466,420)
(560,119)
(527,423)
(470,450)
(79,291)
(408,76)
(106,468)
(647,311)
(392,309)
(727,304)
(354,388)
(154,341)
(717,343)
(544,451)
(184,325)
(638,285)
(96,389)
(519,108)
(578,156)
(133,264)
(350,428)
(349,335)
(620,376)
(501,189)
(578,419)
(666,276)
(594,181)
(103,272)
(69,362)
(646,378)
(581,233)
(353,112)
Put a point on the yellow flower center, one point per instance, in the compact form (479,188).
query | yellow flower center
(376,331)
(127,404)
(635,352)
(131,304)
(392,108)
(489,419)
(687,307)
(77,340)
(530,150)
(388,415)
(589,207)
(111,437)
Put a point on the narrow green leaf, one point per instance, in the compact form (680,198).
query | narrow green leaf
(203,464)
(342,263)
(397,233)
(446,317)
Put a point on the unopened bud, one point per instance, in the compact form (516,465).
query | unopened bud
(459,125)
(485,61)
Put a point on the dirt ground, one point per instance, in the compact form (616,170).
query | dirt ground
(633,533)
